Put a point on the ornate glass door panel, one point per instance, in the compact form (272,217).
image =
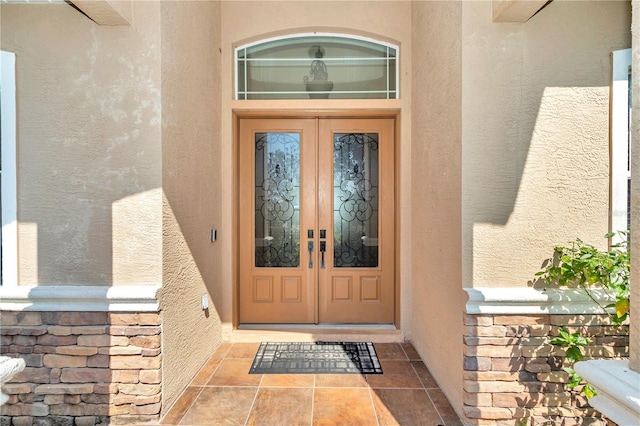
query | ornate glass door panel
(277,206)
(356,208)
(355,200)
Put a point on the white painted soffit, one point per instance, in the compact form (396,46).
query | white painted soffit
(530,301)
(102,12)
(129,298)
(516,10)
(106,12)
(34,1)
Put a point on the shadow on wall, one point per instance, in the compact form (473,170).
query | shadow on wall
(92,103)
(89,164)
(94,156)
(549,188)
(535,136)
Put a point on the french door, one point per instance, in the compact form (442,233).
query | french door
(316,220)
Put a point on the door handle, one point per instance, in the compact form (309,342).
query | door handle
(323,248)
(310,247)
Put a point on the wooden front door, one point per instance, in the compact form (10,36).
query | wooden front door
(316,220)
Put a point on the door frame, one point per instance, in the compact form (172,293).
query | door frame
(238,114)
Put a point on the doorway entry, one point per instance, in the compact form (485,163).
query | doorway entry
(316,220)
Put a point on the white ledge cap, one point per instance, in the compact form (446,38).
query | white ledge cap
(618,389)
(531,301)
(9,367)
(127,298)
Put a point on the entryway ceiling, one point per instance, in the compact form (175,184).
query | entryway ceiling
(105,12)
(516,10)
(109,12)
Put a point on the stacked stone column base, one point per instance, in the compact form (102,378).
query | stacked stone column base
(512,376)
(82,368)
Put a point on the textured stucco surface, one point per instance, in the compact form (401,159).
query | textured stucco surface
(502,151)
(191,185)
(436,144)
(89,145)
(96,148)
(634,346)
(535,135)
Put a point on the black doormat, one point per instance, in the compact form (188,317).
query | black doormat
(316,358)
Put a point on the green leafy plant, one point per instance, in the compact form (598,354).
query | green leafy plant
(574,344)
(583,266)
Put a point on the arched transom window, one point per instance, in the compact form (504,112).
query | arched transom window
(317,66)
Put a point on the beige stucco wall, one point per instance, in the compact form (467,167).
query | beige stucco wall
(514,126)
(89,145)
(243,22)
(113,188)
(436,145)
(535,134)
(497,124)
(191,181)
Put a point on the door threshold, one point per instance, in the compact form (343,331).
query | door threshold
(376,333)
(340,326)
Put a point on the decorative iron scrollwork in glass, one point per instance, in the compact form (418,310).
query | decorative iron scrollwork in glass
(277,203)
(355,200)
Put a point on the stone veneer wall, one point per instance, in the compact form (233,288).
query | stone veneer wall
(513,377)
(83,368)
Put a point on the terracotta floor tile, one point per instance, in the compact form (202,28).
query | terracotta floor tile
(424,374)
(181,406)
(390,351)
(340,381)
(405,407)
(282,406)
(233,396)
(396,367)
(221,406)
(288,380)
(343,406)
(444,407)
(222,350)
(243,350)
(394,381)
(234,372)
(411,352)
(397,374)
(205,372)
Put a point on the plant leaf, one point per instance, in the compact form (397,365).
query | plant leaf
(574,381)
(622,307)
(574,354)
(589,391)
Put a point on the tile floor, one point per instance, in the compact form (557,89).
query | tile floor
(223,393)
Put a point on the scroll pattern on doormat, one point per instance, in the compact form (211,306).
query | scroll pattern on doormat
(316,358)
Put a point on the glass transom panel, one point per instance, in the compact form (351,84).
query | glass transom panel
(317,67)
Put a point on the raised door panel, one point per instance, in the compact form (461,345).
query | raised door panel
(277,200)
(356,204)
